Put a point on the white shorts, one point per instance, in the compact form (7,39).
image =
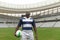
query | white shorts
(27,35)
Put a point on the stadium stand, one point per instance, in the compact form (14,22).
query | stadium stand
(45,16)
(8,21)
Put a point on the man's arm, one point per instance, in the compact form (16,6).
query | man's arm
(17,28)
(35,29)
(19,25)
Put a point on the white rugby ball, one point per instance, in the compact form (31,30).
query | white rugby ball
(18,33)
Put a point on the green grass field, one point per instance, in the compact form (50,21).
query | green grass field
(43,34)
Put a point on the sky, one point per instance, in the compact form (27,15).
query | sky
(27,1)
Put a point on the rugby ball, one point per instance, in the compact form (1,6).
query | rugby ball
(18,33)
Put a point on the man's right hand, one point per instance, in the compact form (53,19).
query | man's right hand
(14,34)
(16,30)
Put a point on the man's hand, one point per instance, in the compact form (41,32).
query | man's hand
(15,34)
(36,37)
(17,28)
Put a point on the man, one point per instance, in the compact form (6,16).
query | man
(28,24)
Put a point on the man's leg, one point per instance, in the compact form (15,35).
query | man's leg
(31,36)
(24,37)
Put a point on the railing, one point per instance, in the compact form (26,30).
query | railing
(26,6)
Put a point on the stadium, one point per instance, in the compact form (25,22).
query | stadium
(45,12)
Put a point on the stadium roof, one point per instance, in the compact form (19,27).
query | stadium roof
(24,5)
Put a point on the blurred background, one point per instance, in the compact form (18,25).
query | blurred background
(45,12)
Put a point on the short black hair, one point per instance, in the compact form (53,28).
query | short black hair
(27,13)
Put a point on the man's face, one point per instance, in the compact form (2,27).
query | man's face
(27,15)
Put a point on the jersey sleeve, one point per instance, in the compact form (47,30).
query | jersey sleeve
(33,23)
(20,23)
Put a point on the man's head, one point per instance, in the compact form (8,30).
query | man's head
(27,14)
(23,16)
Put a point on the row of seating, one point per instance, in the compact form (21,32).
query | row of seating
(48,24)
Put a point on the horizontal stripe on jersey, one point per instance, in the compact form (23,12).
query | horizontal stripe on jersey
(27,25)
(26,22)
(26,28)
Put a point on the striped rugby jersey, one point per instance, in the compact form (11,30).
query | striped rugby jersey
(27,23)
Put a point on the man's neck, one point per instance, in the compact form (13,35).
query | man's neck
(27,17)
